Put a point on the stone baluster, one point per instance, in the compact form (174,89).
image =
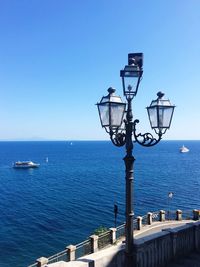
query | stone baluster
(41,261)
(162,215)
(139,223)
(94,243)
(149,218)
(195,215)
(71,252)
(179,215)
(113,235)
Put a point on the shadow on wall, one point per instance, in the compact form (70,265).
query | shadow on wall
(105,258)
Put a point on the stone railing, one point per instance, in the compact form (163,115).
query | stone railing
(95,243)
(170,244)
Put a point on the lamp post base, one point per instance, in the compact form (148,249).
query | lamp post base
(130,260)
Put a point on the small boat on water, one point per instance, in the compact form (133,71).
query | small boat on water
(184,149)
(25,164)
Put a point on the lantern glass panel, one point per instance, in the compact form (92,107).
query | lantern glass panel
(117,113)
(164,116)
(123,125)
(130,85)
(111,111)
(160,112)
(104,114)
(153,118)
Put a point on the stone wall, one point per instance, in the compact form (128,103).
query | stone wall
(154,250)
(159,249)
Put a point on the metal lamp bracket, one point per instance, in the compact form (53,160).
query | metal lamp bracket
(145,139)
(118,138)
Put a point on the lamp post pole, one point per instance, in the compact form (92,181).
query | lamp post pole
(117,119)
(129,161)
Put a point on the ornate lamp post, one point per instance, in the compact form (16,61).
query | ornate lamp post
(117,119)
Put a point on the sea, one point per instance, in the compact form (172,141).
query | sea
(73,193)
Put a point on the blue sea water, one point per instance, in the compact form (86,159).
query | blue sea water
(64,200)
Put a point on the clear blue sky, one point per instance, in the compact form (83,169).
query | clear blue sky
(58,57)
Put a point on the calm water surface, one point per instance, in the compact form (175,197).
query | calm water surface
(67,198)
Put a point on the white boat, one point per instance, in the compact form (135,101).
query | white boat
(184,149)
(25,164)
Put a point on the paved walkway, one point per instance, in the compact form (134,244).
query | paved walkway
(158,227)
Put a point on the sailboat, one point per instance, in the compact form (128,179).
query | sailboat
(184,149)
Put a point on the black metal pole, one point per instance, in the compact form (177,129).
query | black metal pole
(115,213)
(168,208)
(129,161)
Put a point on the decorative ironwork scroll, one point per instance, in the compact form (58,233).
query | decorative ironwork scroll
(118,138)
(145,139)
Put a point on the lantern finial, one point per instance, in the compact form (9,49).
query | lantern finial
(111,90)
(160,94)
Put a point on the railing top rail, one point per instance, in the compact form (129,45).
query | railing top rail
(57,255)
(82,243)
(155,212)
(144,216)
(104,234)
(120,226)
(33,265)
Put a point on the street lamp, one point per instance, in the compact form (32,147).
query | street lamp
(117,119)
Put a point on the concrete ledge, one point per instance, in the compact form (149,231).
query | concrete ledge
(112,256)
(70,264)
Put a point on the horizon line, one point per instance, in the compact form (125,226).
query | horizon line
(78,140)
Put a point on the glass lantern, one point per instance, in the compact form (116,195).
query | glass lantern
(111,111)
(160,113)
